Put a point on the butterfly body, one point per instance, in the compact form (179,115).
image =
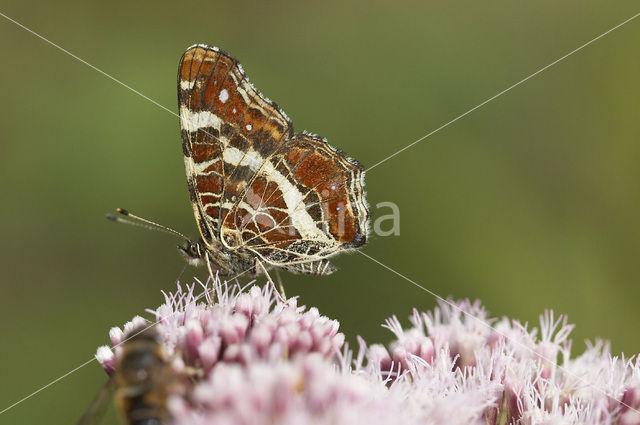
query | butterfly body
(259,191)
(226,262)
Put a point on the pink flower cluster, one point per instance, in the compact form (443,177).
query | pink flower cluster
(268,362)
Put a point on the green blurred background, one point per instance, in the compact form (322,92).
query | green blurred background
(529,203)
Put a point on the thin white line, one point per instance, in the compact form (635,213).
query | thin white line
(88,64)
(503,92)
(99,70)
(48,385)
(497,331)
(94,358)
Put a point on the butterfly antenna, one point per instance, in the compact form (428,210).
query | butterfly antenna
(135,223)
(144,223)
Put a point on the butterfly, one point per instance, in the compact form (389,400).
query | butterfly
(261,194)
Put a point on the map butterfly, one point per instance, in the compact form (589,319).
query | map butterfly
(262,195)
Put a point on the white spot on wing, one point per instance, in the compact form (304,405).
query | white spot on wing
(186,84)
(249,127)
(224,95)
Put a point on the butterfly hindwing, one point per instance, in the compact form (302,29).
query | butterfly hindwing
(301,206)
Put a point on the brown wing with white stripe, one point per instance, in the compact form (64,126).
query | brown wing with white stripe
(227,125)
(305,203)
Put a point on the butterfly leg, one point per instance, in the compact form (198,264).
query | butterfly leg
(281,296)
(213,280)
(280,283)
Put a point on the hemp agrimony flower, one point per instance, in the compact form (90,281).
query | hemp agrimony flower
(263,361)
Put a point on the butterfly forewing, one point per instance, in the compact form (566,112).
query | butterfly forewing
(226,124)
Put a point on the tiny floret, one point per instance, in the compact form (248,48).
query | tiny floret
(106,358)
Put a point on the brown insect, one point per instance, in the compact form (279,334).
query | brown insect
(141,383)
